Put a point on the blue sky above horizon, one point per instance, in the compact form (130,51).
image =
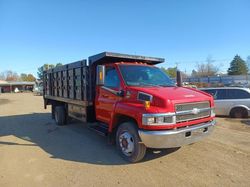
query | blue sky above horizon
(183,32)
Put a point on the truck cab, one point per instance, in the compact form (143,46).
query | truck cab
(137,105)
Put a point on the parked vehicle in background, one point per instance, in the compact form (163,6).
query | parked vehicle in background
(38,90)
(128,99)
(231,101)
(189,85)
(16,90)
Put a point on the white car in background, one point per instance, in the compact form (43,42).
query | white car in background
(16,90)
(230,101)
(38,90)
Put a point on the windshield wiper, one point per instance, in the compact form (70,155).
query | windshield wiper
(148,84)
(166,85)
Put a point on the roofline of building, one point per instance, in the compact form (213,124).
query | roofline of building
(10,83)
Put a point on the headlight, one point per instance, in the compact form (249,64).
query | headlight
(150,120)
(158,119)
(212,112)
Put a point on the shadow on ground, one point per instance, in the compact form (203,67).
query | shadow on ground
(245,121)
(73,142)
(4,101)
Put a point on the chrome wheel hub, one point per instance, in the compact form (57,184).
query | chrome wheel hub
(126,143)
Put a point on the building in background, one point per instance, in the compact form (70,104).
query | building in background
(7,86)
(221,80)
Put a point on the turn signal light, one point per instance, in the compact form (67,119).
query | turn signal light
(100,75)
(147,104)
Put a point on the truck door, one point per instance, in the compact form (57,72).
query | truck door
(106,97)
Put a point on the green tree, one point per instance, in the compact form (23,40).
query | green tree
(194,73)
(170,71)
(237,66)
(59,64)
(46,67)
(23,77)
(248,63)
(28,78)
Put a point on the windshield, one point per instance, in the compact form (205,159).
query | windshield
(135,75)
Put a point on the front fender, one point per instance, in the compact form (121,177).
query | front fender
(132,110)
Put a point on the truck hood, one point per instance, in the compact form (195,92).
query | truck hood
(175,94)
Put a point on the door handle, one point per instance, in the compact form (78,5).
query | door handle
(105,95)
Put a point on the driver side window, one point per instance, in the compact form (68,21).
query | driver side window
(111,78)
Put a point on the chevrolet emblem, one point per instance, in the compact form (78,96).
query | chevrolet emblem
(195,111)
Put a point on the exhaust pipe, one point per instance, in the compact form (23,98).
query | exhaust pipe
(178,78)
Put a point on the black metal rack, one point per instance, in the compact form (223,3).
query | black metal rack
(67,81)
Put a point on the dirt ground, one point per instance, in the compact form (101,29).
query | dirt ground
(35,152)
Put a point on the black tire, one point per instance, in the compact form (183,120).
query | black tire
(139,149)
(53,111)
(60,115)
(239,113)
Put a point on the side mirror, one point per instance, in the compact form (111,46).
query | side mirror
(100,75)
(178,78)
(121,93)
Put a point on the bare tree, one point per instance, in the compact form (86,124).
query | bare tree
(206,69)
(2,76)
(9,75)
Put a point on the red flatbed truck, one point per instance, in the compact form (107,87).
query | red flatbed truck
(128,99)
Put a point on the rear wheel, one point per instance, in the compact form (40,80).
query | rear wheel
(60,115)
(53,111)
(239,113)
(129,143)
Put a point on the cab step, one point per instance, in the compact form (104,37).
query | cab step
(100,128)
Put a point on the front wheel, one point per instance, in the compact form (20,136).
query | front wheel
(129,143)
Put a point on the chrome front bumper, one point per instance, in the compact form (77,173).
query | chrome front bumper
(177,137)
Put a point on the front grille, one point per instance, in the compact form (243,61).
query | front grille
(191,106)
(192,111)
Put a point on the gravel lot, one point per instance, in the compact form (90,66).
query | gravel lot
(35,152)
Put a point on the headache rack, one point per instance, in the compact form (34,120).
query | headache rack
(110,57)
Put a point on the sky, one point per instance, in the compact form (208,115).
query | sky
(185,33)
